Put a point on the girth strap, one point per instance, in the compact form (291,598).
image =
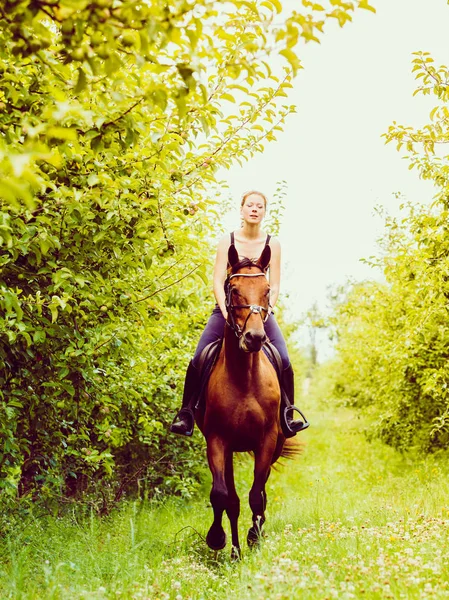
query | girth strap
(274,357)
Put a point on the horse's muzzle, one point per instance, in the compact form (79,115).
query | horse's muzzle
(253,340)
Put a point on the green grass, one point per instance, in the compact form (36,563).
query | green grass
(348,519)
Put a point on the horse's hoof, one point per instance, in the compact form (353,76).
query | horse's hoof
(236,554)
(254,536)
(216,540)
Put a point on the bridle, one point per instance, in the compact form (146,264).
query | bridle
(254,308)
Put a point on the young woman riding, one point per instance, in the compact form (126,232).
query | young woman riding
(249,242)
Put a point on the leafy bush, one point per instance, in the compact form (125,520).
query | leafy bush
(393,338)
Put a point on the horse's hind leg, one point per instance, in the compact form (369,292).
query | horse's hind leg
(216,455)
(233,507)
(257,494)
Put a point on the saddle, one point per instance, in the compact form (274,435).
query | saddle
(209,356)
(206,363)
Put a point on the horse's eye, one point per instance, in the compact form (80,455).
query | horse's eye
(234,291)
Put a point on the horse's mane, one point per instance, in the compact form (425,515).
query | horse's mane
(245,262)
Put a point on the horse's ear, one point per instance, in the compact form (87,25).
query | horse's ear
(233,256)
(265,258)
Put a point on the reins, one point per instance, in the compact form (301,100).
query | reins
(254,308)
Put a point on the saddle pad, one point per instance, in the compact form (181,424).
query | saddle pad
(207,361)
(210,354)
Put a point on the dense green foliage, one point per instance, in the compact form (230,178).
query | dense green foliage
(114,118)
(393,338)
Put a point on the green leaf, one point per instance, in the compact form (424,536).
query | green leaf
(276,3)
(9,194)
(93,179)
(204,125)
(365,5)
(12,191)
(27,337)
(12,304)
(62,133)
(82,81)
(160,98)
(63,372)
(39,336)
(294,61)
(204,94)
(54,312)
(45,245)
(113,64)
(202,275)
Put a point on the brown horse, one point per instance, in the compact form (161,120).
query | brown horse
(241,412)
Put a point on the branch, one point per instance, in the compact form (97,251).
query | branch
(52,17)
(433,76)
(259,139)
(3,14)
(164,230)
(243,123)
(62,222)
(188,527)
(104,343)
(125,113)
(52,69)
(170,267)
(127,480)
(187,186)
(164,272)
(162,289)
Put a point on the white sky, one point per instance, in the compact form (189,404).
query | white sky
(337,167)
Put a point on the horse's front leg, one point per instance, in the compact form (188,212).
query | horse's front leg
(216,455)
(257,494)
(233,507)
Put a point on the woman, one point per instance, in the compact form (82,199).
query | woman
(249,242)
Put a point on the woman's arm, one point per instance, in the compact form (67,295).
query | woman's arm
(221,261)
(275,271)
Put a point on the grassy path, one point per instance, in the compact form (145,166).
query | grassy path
(348,519)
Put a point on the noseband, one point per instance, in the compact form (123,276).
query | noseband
(254,308)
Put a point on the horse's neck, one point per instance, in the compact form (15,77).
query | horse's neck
(238,361)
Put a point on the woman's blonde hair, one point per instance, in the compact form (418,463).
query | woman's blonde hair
(246,194)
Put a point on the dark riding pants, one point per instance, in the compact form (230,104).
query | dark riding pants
(214,330)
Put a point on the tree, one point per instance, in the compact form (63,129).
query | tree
(393,338)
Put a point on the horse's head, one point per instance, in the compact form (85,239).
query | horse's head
(248,299)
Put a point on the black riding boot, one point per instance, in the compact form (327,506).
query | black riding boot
(184,421)
(290,426)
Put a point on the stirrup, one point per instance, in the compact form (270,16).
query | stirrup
(183,423)
(291,428)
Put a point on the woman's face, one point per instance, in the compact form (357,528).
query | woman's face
(253,209)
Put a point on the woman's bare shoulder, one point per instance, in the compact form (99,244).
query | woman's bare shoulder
(275,244)
(224,242)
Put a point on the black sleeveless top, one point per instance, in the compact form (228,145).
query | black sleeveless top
(267,241)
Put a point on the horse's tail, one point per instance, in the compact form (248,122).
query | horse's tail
(292,448)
